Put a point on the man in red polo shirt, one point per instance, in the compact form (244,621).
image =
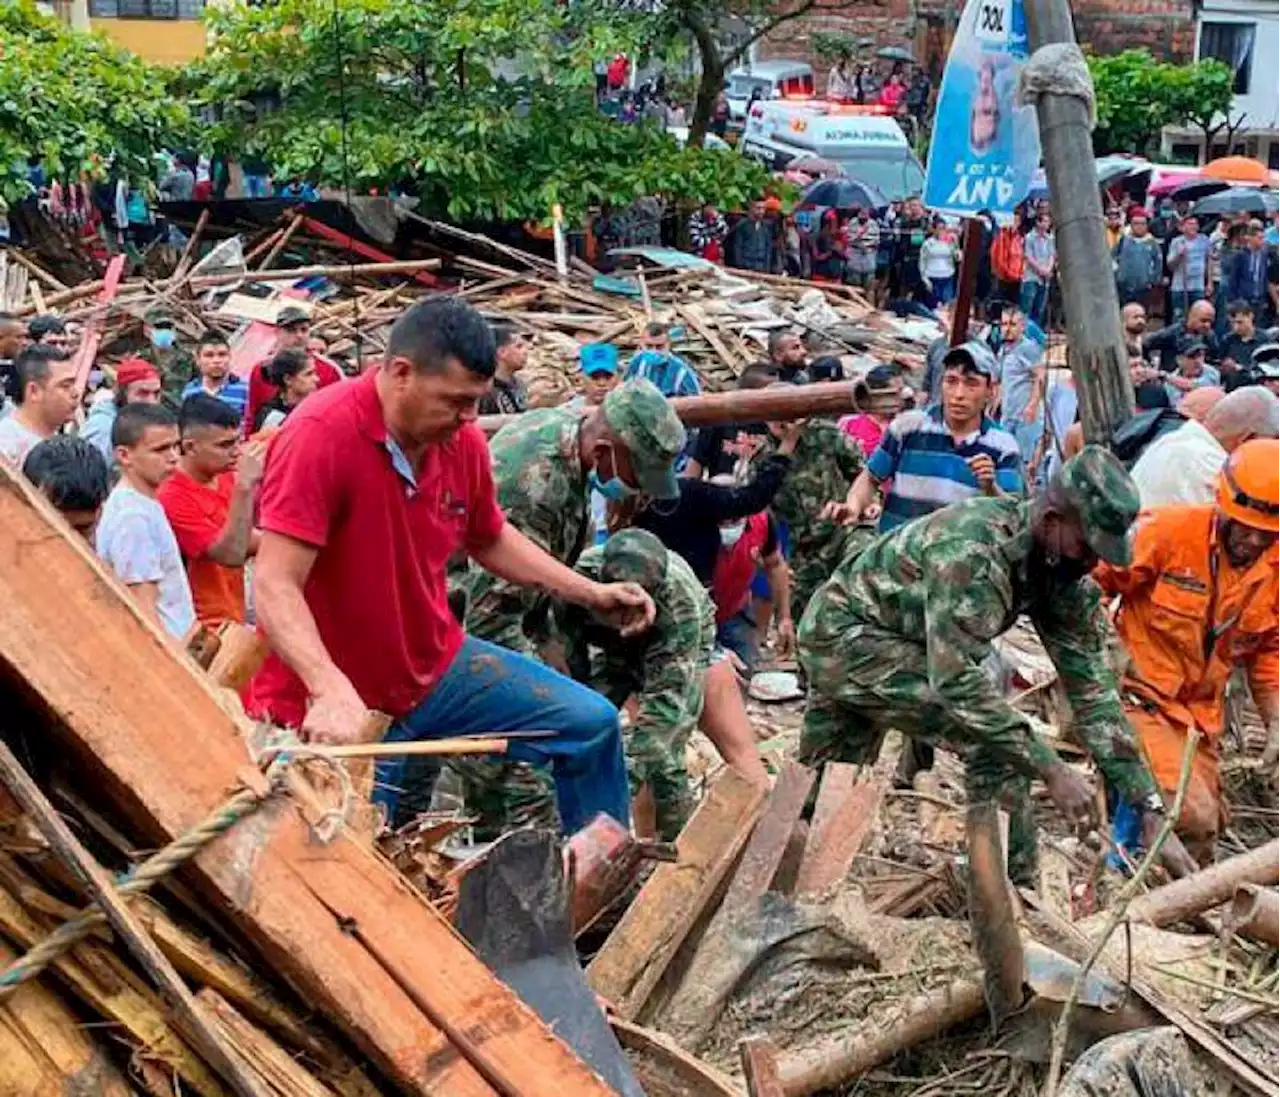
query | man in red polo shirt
(371,486)
(294,325)
(209,503)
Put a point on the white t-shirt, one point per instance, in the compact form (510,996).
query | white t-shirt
(135,538)
(16,440)
(1180,467)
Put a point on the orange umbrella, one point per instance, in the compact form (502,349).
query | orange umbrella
(1237,169)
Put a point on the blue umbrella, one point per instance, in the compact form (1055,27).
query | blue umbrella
(1237,200)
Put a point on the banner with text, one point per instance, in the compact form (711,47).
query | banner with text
(985,149)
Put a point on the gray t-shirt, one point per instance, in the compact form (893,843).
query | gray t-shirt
(1040,248)
(135,538)
(16,440)
(1017,374)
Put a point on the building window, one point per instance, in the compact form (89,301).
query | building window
(1232,44)
(146,9)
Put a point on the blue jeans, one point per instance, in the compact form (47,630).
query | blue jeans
(1033,300)
(491,689)
(257,186)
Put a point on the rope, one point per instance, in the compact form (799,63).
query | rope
(1057,69)
(285,748)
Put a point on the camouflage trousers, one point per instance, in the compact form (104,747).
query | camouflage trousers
(813,562)
(506,795)
(870,682)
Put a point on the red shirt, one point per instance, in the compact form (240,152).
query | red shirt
(736,567)
(261,390)
(377,589)
(198,514)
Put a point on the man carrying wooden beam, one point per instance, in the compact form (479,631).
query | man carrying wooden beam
(897,636)
(371,486)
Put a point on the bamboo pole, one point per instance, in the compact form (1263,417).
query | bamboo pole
(281,243)
(1255,912)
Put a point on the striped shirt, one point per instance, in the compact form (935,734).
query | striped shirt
(668,372)
(927,466)
(234,393)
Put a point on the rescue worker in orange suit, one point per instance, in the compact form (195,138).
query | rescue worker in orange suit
(1198,598)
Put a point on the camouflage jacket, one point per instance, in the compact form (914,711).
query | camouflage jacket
(177,369)
(824,467)
(958,578)
(542,487)
(663,668)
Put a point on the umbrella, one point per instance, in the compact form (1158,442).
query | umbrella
(815,166)
(1196,189)
(844,194)
(1238,200)
(897,53)
(1236,169)
(1111,168)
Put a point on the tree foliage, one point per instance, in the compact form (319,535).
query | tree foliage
(1138,96)
(77,100)
(484,108)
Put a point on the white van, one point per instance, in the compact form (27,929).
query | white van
(773,79)
(866,143)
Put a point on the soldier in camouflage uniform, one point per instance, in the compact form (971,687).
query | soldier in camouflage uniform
(544,466)
(662,668)
(896,639)
(825,464)
(176,367)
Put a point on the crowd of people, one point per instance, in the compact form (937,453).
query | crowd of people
(596,555)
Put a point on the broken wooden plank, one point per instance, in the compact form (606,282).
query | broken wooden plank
(131,709)
(763,855)
(759,1060)
(638,951)
(45,1049)
(659,1062)
(847,809)
(239,655)
(269,1063)
(698,322)
(100,979)
(145,951)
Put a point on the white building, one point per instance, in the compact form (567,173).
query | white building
(1244,34)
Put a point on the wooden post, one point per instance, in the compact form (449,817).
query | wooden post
(970,260)
(1095,342)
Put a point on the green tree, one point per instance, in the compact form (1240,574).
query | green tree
(1137,96)
(77,100)
(484,108)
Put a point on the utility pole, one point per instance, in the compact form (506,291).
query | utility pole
(1095,341)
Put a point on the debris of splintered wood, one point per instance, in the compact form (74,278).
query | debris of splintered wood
(843,816)
(628,967)
(332,921)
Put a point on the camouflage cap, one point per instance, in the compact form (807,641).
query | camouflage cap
(644,422)
(634,556)
(1106,498)
(158,314)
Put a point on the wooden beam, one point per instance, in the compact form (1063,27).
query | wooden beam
(148,732)
(336,271)
(359,247)
(763,855)
(642,946)
(207,1039)
(743,405)
(760,1067)
(846,811)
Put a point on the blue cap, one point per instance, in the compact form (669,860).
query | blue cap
(598,358)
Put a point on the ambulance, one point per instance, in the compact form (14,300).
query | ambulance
(865,141)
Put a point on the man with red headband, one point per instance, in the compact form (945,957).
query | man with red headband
(1199,597)
(137,382)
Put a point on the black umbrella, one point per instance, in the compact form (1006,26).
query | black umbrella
(1237,200)
(844,194)
(897,53)
(1196,189)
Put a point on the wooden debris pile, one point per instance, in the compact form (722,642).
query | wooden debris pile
(236,278)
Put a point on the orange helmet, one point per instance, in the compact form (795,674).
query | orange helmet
(1249,485)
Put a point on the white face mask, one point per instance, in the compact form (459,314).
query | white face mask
(729,535)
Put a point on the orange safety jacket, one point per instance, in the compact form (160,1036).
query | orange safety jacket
(1187,617)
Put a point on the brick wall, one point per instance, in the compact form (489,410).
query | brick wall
(1165,27)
